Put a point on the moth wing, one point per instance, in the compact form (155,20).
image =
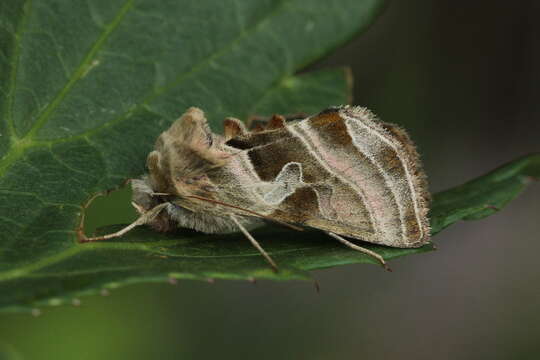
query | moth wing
(352,176)
(292,184)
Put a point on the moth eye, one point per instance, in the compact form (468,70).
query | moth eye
(209,188)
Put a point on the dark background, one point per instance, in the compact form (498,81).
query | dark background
(464,79)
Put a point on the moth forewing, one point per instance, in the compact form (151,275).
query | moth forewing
(359,179)
(341,171)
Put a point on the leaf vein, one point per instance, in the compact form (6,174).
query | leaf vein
(69,167)
(11,221)
(35,196)
(8,113)
(81,69)
(19,147)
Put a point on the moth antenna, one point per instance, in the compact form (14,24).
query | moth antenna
(361,249)
(143,219)
(255,243)
(246,210)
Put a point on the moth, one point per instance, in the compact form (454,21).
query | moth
(341,171)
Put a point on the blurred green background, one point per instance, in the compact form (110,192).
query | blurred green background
(464,78)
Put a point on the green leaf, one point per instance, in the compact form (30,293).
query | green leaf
(87,86)
(485,195)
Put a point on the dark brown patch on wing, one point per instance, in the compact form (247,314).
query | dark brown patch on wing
(232,127)
(331,127)
(390,161)
(299,207)
(276,122)
(324,118)
(269,160)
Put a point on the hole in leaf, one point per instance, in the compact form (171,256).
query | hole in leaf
(111,209)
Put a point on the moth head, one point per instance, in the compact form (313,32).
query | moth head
(185,155)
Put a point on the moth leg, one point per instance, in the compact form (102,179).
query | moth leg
(138,208)
(361,249)
(145,218)
(255,243)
